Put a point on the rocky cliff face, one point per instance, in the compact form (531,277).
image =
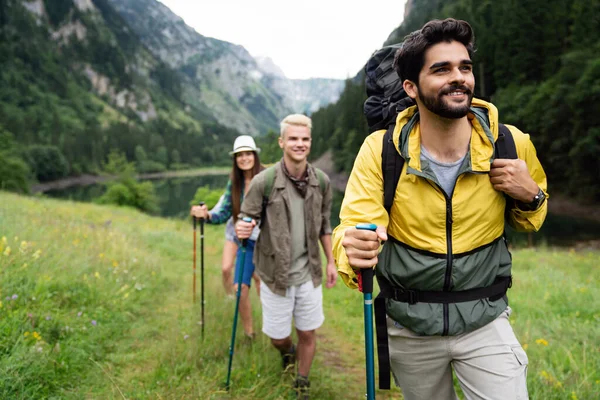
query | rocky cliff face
(242,92)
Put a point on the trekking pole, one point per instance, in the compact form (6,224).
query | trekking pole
(194,263)
(241,262)
(201,272)
(367,288)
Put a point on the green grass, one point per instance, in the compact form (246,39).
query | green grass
(70,264)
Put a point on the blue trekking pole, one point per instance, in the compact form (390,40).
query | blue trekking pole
(367,289)
(241,262)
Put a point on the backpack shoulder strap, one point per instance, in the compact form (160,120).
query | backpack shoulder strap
(391,166)
(505,144)
(269,181)
(322,183)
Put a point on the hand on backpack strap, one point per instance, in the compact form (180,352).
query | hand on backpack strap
(513,178)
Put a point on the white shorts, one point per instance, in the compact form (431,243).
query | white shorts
(304,303)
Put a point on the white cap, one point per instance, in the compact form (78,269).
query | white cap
(244,143)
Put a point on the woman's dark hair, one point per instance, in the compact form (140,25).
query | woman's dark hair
(237,182)
(409,59)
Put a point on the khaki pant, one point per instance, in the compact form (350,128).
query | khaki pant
(489,363)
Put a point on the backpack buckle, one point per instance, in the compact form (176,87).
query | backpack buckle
(405,296)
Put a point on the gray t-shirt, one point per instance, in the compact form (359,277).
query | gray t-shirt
(446,173)
(299,272)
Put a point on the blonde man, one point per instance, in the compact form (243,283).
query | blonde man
(287,257)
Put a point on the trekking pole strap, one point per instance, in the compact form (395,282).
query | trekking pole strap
(383,351)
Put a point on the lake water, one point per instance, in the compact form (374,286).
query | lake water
(175,195)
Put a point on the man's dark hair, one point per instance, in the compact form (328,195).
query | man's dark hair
(409,59)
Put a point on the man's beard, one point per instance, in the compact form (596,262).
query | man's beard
(445,109)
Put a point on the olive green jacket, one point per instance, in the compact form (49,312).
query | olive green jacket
(273,248)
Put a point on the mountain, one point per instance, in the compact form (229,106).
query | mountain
(241,93)
(82,78)
(301,95)
(76,82)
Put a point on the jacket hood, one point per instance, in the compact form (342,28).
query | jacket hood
(484,119)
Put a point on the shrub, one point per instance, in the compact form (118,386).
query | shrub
(14,173)
(210,197)
(47,162)
(128,192)
(148,166)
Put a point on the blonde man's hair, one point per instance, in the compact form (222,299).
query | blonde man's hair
(297,120)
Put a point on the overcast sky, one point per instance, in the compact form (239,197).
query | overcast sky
(318,39)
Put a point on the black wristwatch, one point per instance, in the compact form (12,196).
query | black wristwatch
(537,201)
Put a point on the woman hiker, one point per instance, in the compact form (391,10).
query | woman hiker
(246,165)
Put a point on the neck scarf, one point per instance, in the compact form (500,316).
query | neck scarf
(301,184)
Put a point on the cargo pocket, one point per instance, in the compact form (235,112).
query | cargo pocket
(521,378)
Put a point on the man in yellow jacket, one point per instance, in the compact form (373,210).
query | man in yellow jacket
(445,266)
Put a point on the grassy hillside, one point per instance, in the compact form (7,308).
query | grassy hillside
(96,302)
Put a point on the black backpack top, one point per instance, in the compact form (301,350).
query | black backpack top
(386,96)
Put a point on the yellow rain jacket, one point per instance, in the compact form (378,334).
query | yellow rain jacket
(438,243)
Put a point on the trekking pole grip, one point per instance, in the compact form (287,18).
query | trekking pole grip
(367,273)
(201,204)
(245,241)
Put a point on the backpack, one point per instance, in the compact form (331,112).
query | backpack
(386,99)
(270,180)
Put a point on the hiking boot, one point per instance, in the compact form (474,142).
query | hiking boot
(288,359)
(302,388)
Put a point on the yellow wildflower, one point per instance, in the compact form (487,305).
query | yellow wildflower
(26,334)
(96,274)
(542,342)
(4,241)
(37,254)
(7,251)
(126,295)
(37,336)
(101,255)
(23,247)
(573,396)
(115,263)
(0,304)
(525,346)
